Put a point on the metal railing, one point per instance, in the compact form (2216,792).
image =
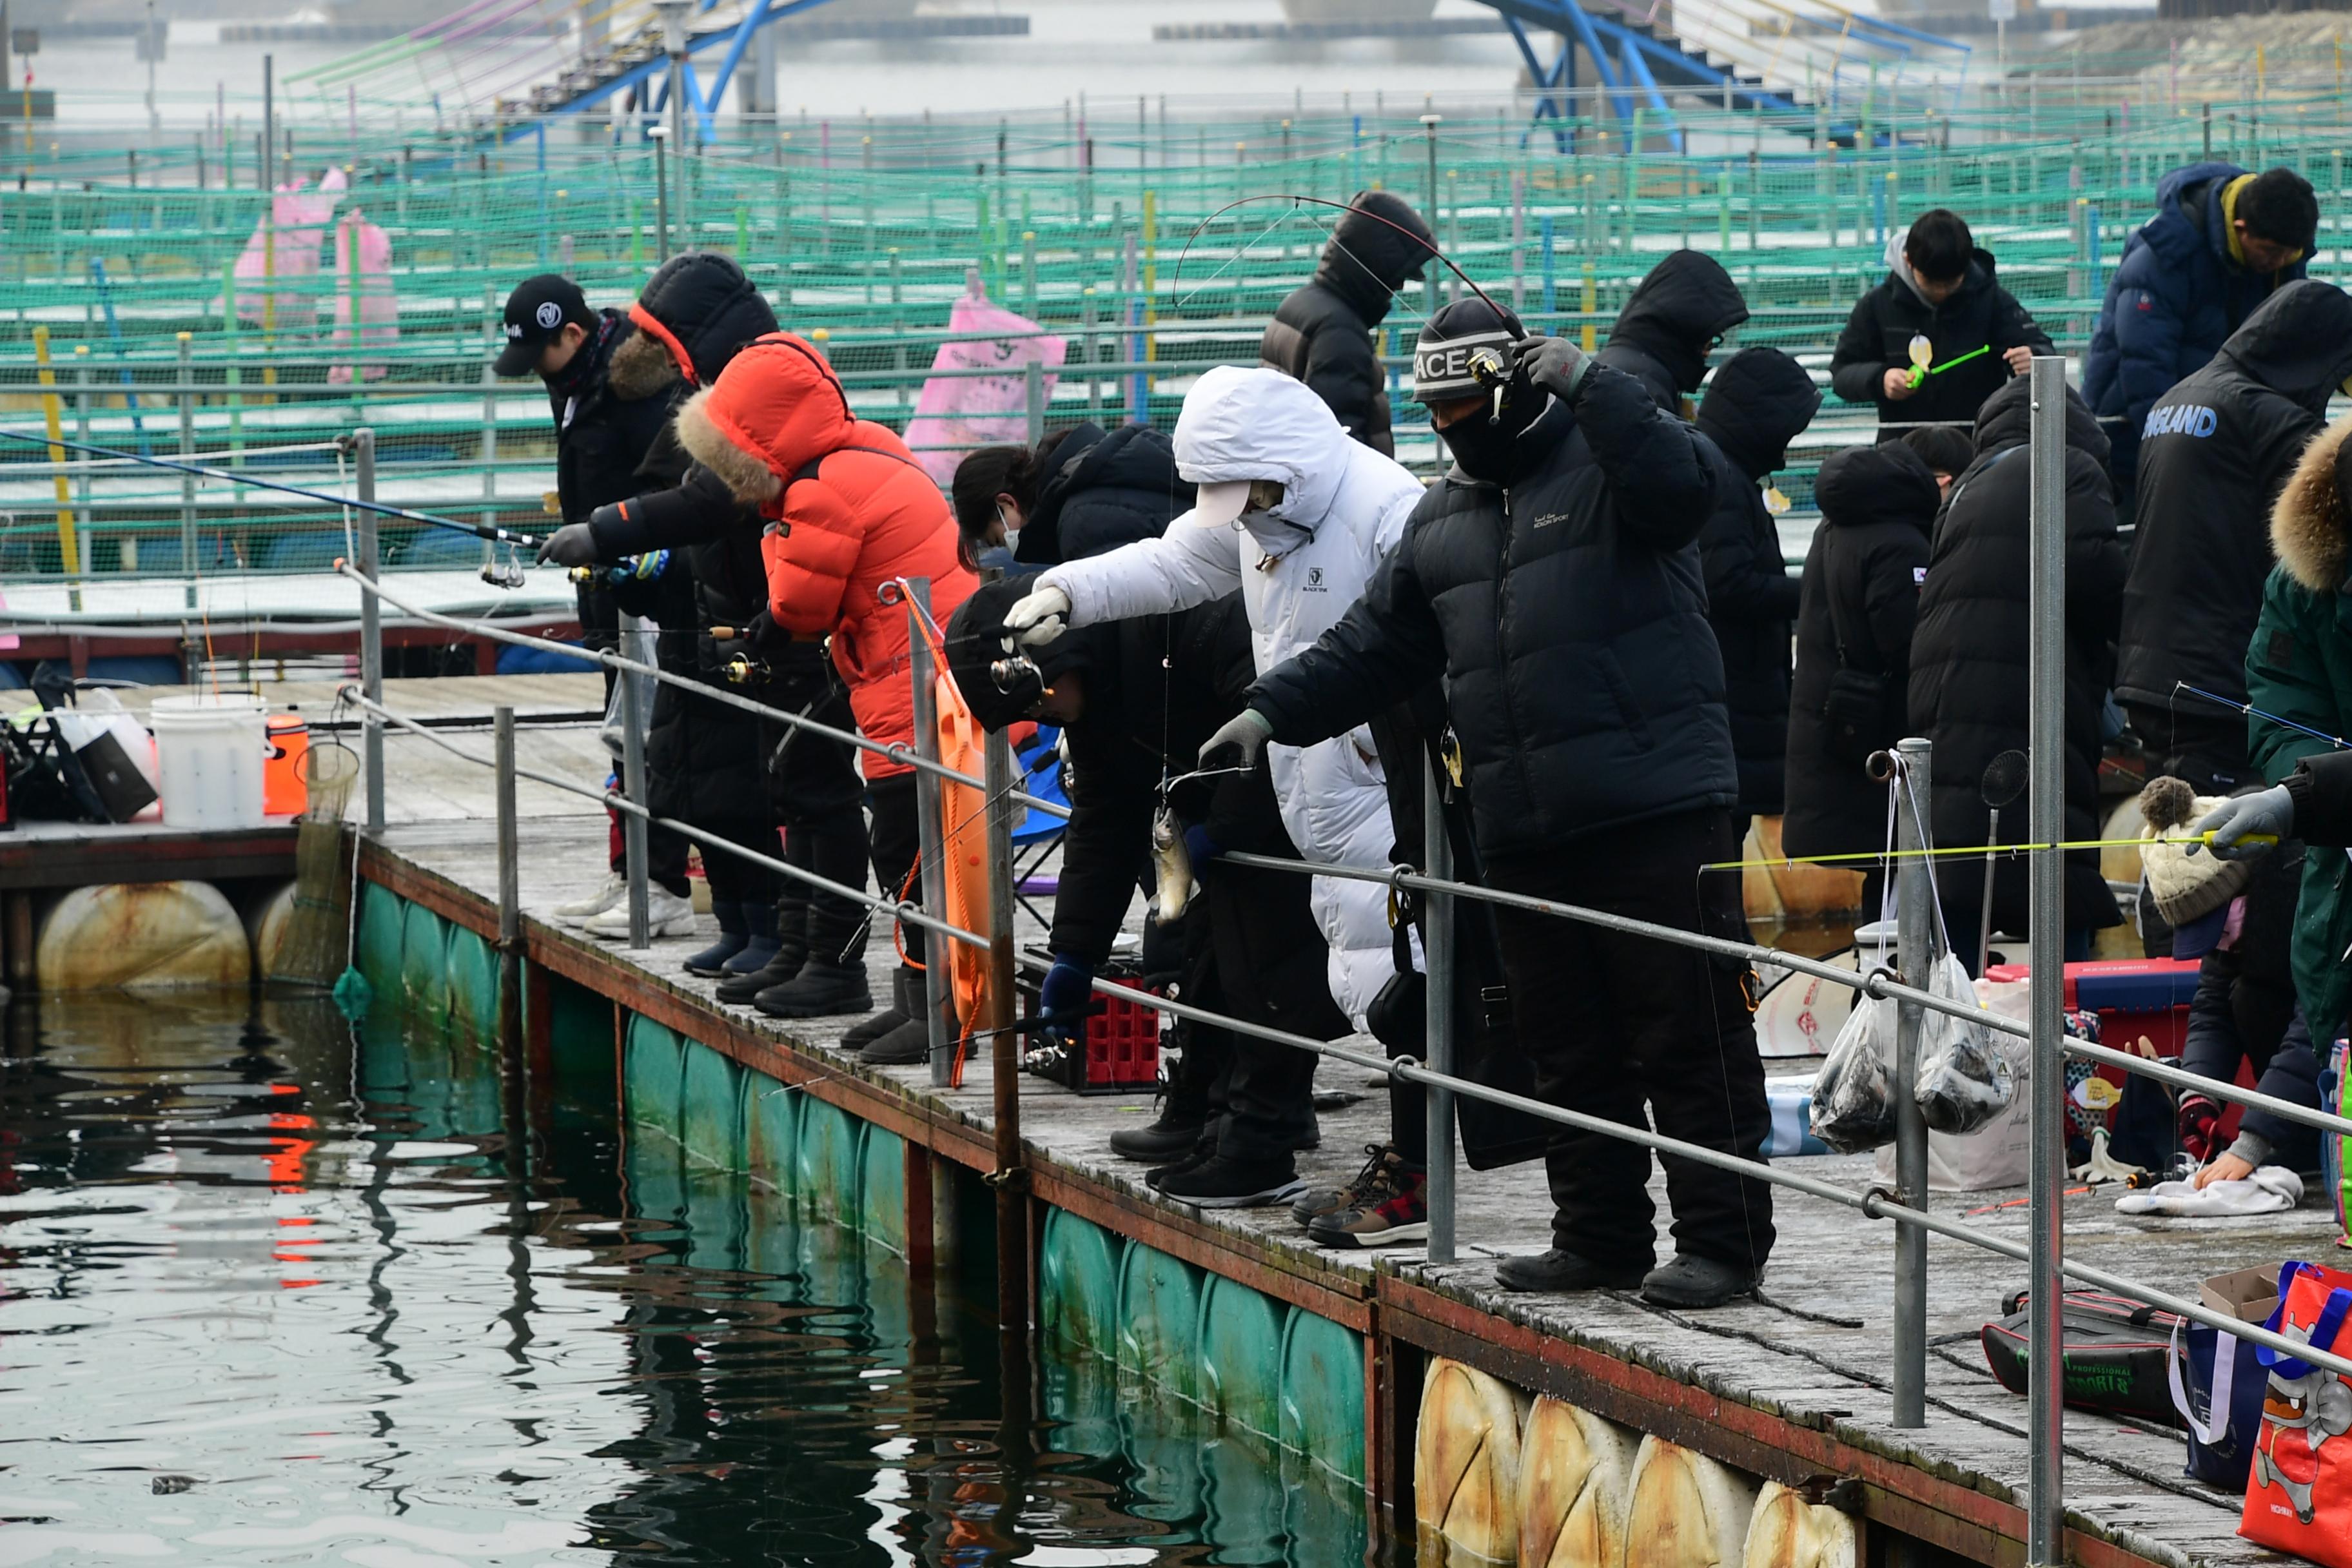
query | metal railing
(1906,1206)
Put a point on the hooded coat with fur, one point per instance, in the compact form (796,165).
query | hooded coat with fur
(847,510)
(2299,667)
(1299,567)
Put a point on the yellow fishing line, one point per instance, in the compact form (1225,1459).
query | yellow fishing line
(1867,855)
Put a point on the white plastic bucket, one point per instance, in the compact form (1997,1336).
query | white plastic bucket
(210,752)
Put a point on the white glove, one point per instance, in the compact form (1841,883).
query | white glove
(1038,618)
(1244,734)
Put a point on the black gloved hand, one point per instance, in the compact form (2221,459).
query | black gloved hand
(573,544)
(761,634)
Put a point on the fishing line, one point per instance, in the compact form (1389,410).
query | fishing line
(1942,850)
(1230,261)
(1428,244)
(2250,709)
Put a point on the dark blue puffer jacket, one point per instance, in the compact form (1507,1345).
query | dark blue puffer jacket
(2172,301)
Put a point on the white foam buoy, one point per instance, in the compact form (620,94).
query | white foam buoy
(1576,1473)
(142,936)
(1787,1532)
(1466,1467)
(1684,1510)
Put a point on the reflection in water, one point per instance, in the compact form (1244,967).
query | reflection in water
(270,1291)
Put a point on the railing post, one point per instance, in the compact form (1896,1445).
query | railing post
(502,746)
(1032,382)
(370,627)
(2045,1509)
(1437,954)
(188,481)
(939,988)
(1009,1177)
(1914,927)
(633,785)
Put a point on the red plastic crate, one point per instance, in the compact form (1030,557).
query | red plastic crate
(1121,1049)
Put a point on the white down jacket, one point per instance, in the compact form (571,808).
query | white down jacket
(1298,568)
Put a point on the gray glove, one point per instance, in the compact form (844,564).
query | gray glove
(2248,826)
(1244,734)
(1555,364)
(573,544)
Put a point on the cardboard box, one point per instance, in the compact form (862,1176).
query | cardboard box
(2249,1295)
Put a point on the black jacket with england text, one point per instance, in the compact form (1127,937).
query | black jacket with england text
(2214,453)
(1322,333)
(1980,313)
(1567,616)
(1969,689)
(1758,402)
(1861,602)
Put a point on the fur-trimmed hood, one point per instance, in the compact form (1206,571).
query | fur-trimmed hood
(776,408)
(2310,527)
(641,367)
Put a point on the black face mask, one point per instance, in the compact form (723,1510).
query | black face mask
(1487,450)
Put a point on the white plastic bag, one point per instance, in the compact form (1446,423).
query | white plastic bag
(1853,1094)
(1964,1081)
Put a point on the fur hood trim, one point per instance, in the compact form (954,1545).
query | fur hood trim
(2309,525)
(745,474)
(641,367)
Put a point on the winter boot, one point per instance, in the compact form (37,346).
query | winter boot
(893,1017)
(823,989)
(910,1041)
(760,941)
(733,933)
(791,953)
(1183,1113)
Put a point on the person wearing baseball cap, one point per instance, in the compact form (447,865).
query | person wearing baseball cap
(605,427)
(1551,579)
(1296,516)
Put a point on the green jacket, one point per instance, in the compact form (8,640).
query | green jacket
(2299,667)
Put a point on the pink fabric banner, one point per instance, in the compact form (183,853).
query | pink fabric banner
(283,252)
(379,311)
(957,413)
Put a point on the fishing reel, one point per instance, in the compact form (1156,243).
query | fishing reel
(646,568)
(1012,674)
(505,574)
(744,667)
(1491,371)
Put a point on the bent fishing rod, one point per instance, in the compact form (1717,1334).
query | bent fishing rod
(490,532)
(1296,198)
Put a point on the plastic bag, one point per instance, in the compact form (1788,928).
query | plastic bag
(1964,1082)
(1853,1094)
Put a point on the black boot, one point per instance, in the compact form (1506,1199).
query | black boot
(733,934)
(909,1041)
(760,941)
(891,1017)
(1184,1113)
(791,953)
(823,989)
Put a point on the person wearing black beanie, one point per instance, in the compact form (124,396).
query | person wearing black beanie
(1552,579)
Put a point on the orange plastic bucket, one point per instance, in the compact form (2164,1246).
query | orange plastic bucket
(283,792)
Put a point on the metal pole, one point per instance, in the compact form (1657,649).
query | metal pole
(188,455)
(1033,384)
(1437,954)
(2045,1511)
(1915,922)
(371,628)
(633,784)
(502,749)
(938,988)
(660,135)
(1009,1179)
(268,171)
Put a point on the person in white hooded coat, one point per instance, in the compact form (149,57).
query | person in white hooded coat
(1299,562)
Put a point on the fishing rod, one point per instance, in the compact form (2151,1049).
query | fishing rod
(2338,742)
(496,535)
(1941,851)
(1428,243)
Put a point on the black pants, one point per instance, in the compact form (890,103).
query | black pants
(1613,1021)
(894,839)
(2196,740)
(816,791)
(664,856)
(733,880)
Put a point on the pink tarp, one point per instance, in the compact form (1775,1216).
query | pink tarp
(283,251)
(379,311)
(956,413)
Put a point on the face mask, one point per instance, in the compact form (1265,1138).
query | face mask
(1485,450)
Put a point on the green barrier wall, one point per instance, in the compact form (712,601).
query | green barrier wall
(424,960)
(471,967)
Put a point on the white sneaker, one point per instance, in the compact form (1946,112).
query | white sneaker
(667,914)
(615,889)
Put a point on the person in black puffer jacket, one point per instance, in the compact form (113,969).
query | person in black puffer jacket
(1553,580)
(1757,403)
(1081,492)
(1968,670)
(1669,323)
(1860,600)
(2214,454)
(1939,285)
(1322,333)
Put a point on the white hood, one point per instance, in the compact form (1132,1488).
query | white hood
(1259,423)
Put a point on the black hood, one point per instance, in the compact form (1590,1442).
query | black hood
(1864,485)
(1758,402)
(975,643)
(708,306)
(1367,260)
(2298,342)
(1134,459)
(1686,303)
(2007,420)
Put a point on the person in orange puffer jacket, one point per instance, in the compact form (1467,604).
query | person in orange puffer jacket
(848,510)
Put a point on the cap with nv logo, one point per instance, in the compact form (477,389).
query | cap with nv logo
(1448,356)
(537,310)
